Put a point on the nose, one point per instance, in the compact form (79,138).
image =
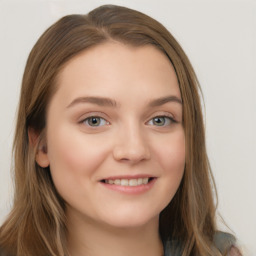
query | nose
(131,146)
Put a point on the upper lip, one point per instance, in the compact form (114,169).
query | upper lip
(129,177)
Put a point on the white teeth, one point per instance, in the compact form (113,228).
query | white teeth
(124,182)
(145,181)
(117,182)
(140,180)
(133,182)
(127,182)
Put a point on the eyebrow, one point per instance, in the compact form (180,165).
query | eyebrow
(161,101)
(107,102)
(101,101)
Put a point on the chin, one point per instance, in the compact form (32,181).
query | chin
(131,220)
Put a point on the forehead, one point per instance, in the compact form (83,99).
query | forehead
(114,67)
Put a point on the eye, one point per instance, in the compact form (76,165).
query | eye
(95,121)
(162,121)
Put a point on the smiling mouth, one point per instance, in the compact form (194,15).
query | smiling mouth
(128,182)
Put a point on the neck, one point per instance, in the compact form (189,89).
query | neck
(85,237)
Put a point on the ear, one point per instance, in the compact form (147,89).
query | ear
(35,140)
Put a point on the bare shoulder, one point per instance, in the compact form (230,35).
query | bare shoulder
(234,251)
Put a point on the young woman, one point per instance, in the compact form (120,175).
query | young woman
(110,154)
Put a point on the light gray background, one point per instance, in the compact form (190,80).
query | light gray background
(220,40)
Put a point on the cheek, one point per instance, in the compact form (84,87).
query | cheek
(171,156)
(73,156)
(171,153)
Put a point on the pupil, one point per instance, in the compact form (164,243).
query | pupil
(159,120)
(94,121)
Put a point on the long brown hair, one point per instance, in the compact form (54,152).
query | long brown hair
(36,224)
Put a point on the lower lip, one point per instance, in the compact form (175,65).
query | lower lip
(132,190)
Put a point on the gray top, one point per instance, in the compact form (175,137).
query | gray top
(223,241)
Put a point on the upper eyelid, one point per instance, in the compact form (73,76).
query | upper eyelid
(93,114)
(163,114)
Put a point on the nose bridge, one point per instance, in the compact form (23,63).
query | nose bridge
(131,144)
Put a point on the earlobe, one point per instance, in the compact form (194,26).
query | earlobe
(35,140)
(42,157)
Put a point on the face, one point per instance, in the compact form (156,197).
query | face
(114,135)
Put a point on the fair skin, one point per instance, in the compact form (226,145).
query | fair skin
(93,145)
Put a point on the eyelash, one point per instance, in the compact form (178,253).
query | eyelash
(91,117)
(168,117)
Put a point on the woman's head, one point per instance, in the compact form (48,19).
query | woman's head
(116,117)
(60,49)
